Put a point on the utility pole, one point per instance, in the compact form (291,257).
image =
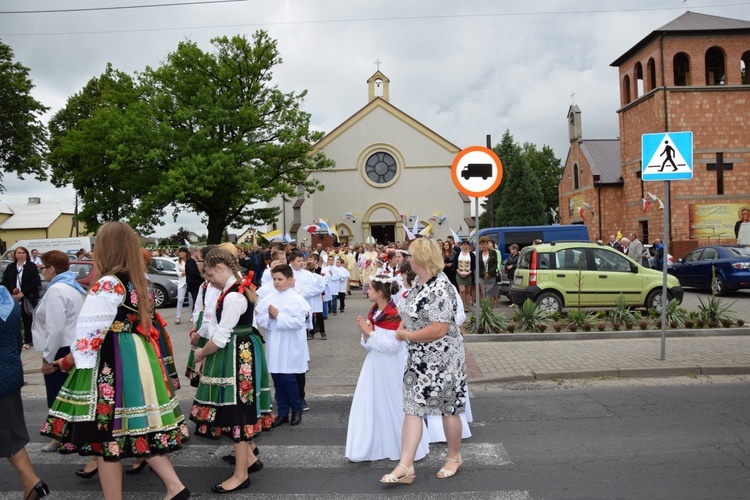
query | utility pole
(490,205)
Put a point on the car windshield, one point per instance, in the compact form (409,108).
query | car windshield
(739,251)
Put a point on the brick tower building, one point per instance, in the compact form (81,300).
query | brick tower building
(688,75)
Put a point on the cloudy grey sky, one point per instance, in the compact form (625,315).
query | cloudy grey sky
(463,68)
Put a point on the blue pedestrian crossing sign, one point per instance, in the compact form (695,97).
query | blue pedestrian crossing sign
(667,156)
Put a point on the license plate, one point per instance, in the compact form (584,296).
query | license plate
(517,280)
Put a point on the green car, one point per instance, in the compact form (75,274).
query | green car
(558,275)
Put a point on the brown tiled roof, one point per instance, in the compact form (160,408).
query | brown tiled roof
(688,23)
(603,157)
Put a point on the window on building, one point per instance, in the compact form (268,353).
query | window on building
(638,80)
(744,65)
(651,75)
(576,179)
(643,230)
(626,89)
(715,71)
(681,64)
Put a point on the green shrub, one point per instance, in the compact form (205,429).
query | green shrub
(714,310)
(621,313)
(579,317)
(490,321)
(529,317)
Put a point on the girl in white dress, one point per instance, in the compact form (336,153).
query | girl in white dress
(377,414)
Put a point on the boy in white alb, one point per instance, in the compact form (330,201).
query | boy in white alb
(342,275)
(332,286)
(284,314)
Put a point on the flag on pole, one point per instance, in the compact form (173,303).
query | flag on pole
(619,235)
(334,231)
(409,235)
(656,199)
(272,234)
(589,207)
(581,213)
(187,243)
(426,230)
(416,225)
(554,214)
(646,203)
(311,228)
(324,225)
(455,236)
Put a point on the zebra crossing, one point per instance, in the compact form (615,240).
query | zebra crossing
(304,462)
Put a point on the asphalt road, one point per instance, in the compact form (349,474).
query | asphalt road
(666,439)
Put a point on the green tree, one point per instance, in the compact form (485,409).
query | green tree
(233,138)
(549,171)
(521,203)
(23,137)
(104,143)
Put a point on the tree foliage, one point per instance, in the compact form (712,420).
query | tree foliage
(206,132)
(23,137)
(529,187)
(179,238)
(104,143)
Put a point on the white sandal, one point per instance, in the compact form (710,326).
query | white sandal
(393,479)
(449,473)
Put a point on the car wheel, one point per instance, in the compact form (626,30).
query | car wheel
(549,302)
(654,300)
(160,296)
(718,286)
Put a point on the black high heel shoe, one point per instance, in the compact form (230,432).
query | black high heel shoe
(86,475)
(40,490)
(136,470)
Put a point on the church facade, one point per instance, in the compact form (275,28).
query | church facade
(389,169)
(689,75)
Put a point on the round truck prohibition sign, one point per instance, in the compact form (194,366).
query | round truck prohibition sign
(477,171)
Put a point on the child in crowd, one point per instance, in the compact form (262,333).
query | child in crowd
(285,314)
(332,286)
(277,254)
(225,401)
(342,275)
(377,416)
(311,286)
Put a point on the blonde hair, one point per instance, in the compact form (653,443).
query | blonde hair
(427,254)
(229,247)
(222,256)
(119,251)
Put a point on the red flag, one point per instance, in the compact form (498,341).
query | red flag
(580,214)
(646,203)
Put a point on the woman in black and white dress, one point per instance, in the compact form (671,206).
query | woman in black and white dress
(435,374)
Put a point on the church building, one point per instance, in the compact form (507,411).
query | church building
(389,168)
(688,75)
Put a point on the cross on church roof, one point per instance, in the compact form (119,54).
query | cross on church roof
(378,62)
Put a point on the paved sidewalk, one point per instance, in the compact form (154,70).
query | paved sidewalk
(335,363)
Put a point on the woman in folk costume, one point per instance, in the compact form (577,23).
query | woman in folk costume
(368,264)
(377,415)
(117,402)
(230,365)
(204,310)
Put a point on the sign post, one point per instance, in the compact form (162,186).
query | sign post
(672,151)
(476,172)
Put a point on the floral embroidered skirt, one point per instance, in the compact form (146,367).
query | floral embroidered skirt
(165,348)
(227,400)
(190,372)
(123,407)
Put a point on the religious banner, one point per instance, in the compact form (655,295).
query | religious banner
(715,221)
(575,203)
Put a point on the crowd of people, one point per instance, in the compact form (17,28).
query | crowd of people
(111,378)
